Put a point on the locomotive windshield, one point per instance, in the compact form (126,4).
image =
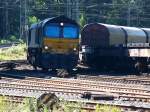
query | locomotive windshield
(57,31)
(52,31)
(70,32)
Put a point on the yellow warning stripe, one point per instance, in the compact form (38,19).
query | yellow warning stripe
(61,45)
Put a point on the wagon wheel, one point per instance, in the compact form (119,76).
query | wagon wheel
(62,73)
(141,67)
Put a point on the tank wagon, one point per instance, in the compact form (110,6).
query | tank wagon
(53,43)
(112,46)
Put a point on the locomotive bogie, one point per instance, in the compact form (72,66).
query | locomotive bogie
(61,61)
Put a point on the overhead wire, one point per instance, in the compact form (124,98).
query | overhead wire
(83,9)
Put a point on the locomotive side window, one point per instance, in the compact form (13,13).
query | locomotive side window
(52,31)
(70,32)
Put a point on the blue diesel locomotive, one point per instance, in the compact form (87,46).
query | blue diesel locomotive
(53,43)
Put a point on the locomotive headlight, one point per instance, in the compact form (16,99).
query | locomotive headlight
(46,47)
(61,24)
(75,49)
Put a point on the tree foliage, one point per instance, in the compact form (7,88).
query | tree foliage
(121,12)
(33,19)
(82,20)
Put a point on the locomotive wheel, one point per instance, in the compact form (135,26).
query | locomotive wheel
(137,66)
(62,73)
(141,67)
(35,67)
(33,62)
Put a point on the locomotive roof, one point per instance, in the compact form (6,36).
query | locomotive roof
(57,19)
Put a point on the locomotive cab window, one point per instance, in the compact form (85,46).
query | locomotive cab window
(66,31)
(70,31)
(52,31)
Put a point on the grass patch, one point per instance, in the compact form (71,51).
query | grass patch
(31,105)
(13,53)
(106,108)
(27,105)
(65,106)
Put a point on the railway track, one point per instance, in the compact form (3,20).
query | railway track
(132,79)
(12,64)
(23,97)
(72,89)
(90,104)
(18,96)
(127,91)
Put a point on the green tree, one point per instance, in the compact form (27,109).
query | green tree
(124,12)
(33,19)
(144,16)
(82,20)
